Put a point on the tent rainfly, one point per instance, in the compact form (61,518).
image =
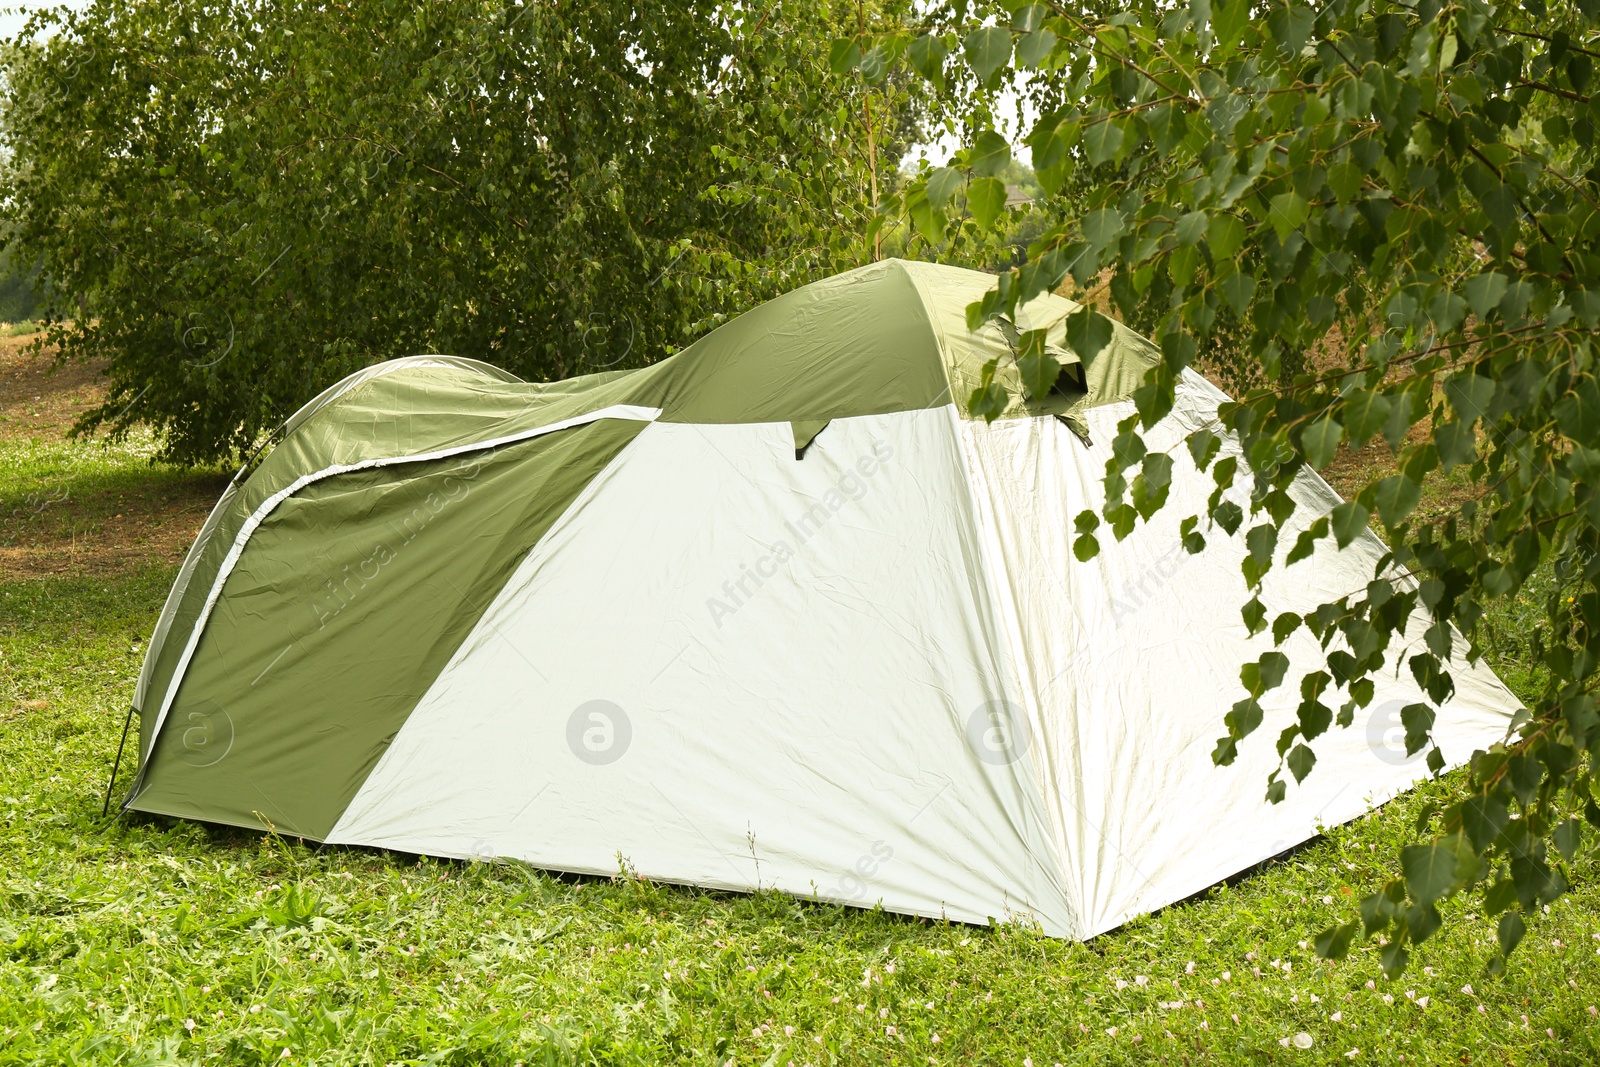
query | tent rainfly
(772,612)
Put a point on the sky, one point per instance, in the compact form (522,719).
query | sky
(13,13)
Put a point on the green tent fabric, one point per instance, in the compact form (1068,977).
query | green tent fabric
(771,612)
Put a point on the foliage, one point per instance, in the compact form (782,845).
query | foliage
(19,296)
(238,203)
(1393,209)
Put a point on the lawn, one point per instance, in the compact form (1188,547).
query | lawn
(144,940)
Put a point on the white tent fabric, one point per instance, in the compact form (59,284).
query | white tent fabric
(807,733)
(877,676)
(1129,660)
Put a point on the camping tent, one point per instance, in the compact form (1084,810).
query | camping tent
(770,612)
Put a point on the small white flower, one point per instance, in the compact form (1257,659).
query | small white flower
(1353,1053)
(1387,999)
(1140,979)
(756,1032)
(1482,1010)
(1121,984)
(188,1024)
(1467,989)
(936,1037)
(1235,1018)
(1227,976)
(1111,1031)
(1593,1010)
(883,1013)
(1336,1017)
(1283,1041)
(1327,900)
(788,1031)
(1411,994)
(1250,956)
(888,968)
(1188,968)
(1422,1002)
(1315,999)
(1303,946)
(889,1031)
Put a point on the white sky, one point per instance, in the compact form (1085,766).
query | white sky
(13,13)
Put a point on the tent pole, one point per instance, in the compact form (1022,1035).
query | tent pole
(126,723)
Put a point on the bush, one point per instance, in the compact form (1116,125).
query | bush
(241,202)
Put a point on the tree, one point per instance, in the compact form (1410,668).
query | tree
(1395,210)
(238,203)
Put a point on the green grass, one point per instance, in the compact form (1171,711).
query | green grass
(151,941)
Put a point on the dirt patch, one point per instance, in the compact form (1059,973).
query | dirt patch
(106,522)
(38,400)
(109,532)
